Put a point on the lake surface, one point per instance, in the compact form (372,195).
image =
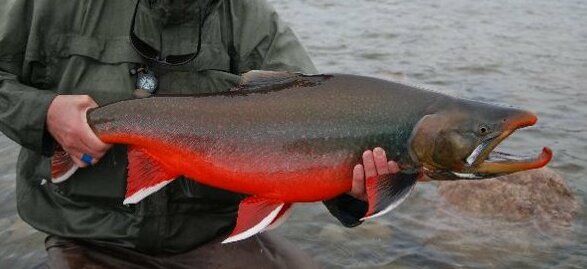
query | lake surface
(528,54)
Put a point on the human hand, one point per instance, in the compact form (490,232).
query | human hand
(374,164)
(67,123)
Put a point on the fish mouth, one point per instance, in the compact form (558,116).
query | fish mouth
(485,162)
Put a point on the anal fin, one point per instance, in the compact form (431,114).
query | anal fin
(254,215)
(281,217)
(145,176)
(386,192)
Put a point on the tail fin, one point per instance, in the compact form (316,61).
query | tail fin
(62,166)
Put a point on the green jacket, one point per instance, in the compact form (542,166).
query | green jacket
(50,47)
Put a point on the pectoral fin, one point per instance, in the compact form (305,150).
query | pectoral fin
(255,214)
(145,176)
(387,192)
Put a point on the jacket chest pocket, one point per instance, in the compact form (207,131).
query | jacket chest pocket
(100,68)
(94,66)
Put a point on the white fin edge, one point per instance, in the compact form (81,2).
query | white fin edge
(280,220)
(144,192)
(391,206)
(255,229)
(65,176)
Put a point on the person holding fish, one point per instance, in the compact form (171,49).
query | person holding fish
(59,59)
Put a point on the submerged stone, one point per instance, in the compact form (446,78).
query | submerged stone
(539,195)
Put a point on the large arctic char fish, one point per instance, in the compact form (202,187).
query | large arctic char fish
(284,138)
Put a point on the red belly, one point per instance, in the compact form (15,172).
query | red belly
(308,182)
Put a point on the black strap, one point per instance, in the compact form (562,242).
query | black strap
(234,69)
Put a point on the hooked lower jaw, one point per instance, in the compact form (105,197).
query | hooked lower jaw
(479,165)
(511,166)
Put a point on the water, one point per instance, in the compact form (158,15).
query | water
(529,54)
(22,246)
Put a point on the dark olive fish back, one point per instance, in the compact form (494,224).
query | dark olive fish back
(334,113)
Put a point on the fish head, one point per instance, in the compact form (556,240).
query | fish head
(459,142)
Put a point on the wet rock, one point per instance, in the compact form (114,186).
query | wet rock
(538,195)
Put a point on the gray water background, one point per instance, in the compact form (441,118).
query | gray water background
(528,54)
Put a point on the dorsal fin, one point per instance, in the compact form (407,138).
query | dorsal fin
(255,77)
(140,93)
(260,80)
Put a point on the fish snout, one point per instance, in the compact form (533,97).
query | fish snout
(519,120)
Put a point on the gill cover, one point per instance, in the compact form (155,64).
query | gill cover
(433,143)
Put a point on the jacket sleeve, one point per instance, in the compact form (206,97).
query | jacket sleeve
(263,41)
(23,109)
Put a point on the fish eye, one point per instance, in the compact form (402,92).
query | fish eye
(483,129)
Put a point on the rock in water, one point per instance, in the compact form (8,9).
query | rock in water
(540,195)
